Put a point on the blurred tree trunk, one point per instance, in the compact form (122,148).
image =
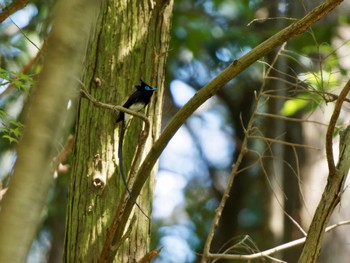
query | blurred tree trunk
(46,120)
(281,162)
(130,42)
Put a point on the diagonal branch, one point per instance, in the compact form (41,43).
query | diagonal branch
(10,9)
(218,82)
(329,135)
(212,87)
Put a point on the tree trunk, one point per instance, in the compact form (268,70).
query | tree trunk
(130,42)
(46,119)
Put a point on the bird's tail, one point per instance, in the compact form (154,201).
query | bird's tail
(120,155)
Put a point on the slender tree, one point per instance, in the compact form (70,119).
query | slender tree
(130,41)
(23,204)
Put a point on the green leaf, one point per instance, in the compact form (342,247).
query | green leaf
(292,106)
(11,139)
(320,80)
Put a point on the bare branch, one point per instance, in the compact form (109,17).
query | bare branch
(282,142)
(261,114)
(215,224)
(275,249)
(331,127)
(149,256)
(114,108)
(9,10)
(62,156)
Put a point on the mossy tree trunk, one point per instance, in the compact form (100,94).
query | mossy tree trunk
(130,42)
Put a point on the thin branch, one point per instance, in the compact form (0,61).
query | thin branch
(25,69)
(114,108)
(289,83)
(215,224)
(275,249)
(24,34)
(62,156)
(282,142)
(271,18)
(330,96)
(331,127)
(10,9)
(278,201)
(149,256)
(287,118)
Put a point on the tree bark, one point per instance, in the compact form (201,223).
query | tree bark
(130,42)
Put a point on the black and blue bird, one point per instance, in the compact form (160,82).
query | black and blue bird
(136,102)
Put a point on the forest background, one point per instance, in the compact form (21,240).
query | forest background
(290,93)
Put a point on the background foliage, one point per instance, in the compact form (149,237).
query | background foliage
(206,37)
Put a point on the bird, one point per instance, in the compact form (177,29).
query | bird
(136,102)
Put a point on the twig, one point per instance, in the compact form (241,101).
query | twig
(215,224)
(114,108)
(271,18)
(25,69)
(275,249)
(332,123)
(10,9)
(149,256)
(278,201)
(289,83)
(62,156)
(330,96)
(282,142)
(287,118)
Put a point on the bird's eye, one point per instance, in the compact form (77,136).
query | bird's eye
(149,88)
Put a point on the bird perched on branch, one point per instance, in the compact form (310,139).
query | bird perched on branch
(136,102)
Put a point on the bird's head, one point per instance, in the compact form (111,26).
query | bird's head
(145,87)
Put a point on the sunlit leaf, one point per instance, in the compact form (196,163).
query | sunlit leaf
(320,80)
(11,139)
